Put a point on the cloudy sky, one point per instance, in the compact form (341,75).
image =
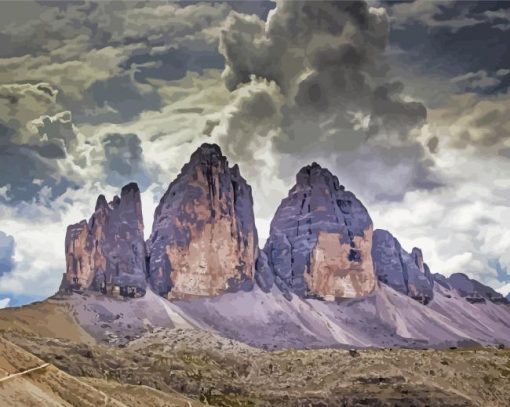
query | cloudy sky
(407,103)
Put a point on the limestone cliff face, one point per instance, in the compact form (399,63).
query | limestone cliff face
(108,253)
(400,270)
(204,240)
(320,240)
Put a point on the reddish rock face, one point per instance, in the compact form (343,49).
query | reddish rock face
(320,240)
(108,253)
(204,241)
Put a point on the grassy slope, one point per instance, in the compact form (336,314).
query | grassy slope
(50,318)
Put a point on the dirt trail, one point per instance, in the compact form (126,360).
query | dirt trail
(11,376)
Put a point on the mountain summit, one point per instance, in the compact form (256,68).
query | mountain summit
(204,239)
(107,253)
(321,239)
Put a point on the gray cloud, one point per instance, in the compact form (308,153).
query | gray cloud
(327,60)
(101,56)
(124,160)
(472,120)
(500,18)
(429,13)
(6,253)
(313,85)
(34,143)
(479,80)
(86,63)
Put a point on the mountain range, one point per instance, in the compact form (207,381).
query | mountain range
(324,277)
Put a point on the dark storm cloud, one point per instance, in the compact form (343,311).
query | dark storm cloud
(327,60)
(6,253)
(26,173)
(66,63)
(101,55)
(33,143)
(173,63)
(456,38)
(120,98)
(124,160)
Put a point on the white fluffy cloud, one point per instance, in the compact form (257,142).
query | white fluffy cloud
(4,302)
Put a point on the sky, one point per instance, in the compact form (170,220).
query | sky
(408,103)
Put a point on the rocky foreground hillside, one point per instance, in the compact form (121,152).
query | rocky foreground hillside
(207,368)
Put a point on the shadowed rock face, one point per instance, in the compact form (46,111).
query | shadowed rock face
(108,253)
(400,270)
(320,240)
(203,240)
(386,253)
(471,290)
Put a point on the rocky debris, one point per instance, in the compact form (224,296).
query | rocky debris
(108,253)
(404,272)
(472,290)
(204,240)
(321,239)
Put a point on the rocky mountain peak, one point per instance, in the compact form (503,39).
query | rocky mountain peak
(320,240)
(107,253)
(101,203)
(472,290)
(131,190)
(204,239)
(314,174)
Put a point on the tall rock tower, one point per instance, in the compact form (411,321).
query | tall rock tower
(204,240)
(108,253)
(320,241)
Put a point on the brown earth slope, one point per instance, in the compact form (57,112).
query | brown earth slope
(223,372)
(26,380)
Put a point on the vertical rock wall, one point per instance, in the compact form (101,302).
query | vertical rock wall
(204,240)
(108,253)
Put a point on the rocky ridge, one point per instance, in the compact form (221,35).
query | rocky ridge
(204,243)
(404,272)
(470,289)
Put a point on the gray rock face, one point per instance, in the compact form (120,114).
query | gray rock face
(472,290)
(108,253)
(388,264)
(320,240)
(264,276)
(204,240)
(404,272)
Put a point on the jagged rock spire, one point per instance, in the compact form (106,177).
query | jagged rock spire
(108,253)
